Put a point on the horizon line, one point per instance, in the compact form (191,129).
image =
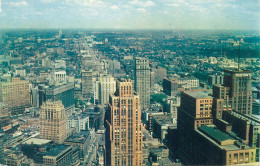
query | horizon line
(128,29)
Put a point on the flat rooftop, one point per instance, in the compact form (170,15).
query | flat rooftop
(215,133)
(56,150)
(199,93)
(215,136)
(37,141)
(253,119)
(76,139)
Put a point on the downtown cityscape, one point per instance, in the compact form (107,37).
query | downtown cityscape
(75,94)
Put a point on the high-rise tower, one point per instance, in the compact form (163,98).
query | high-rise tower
(239,82)
(53,121)
(124,127)
(87,84)
(235,94)
(107,85)
(142,81)
(194,111)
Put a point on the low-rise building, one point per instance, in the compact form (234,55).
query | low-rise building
(81,141)
(79,122)
(15,159)
(60,155)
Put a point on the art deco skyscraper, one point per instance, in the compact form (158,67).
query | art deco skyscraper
(142,81)
(53,121)
(124,127)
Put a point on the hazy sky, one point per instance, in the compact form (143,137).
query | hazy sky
(131,14)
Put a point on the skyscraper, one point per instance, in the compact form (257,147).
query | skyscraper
(221,100)
(142,81)
(35,97)
(107,85)
(65,93)
(226,142)
(87,84)
(239,82)
(53,121)
(124,127)
(195,110)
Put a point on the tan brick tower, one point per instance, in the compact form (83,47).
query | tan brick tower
(53,121)
(124,127)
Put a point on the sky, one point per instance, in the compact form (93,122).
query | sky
(131,14)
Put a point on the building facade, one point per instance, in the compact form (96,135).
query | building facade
(214,147)
(189,82)
(15,94)
(79,122)
(1,148)
(170,86)
(246,127)
(15,159)
(194,111)
(65,93)
(239,82)
(60,155)
(107,86)
(221,100)
(87,84)
(215,79)
(142,81)
(124,127)
(4,115)
(233,139)
(60,76)
(53,121)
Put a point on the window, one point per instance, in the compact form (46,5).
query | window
(235,158)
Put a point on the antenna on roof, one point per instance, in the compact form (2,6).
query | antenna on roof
(238,63)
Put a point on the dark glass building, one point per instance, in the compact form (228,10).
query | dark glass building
(65,93)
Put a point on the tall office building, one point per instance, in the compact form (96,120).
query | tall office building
(239,82)
(53,121)
(229,141)
(64,92)
(87,84)
(124,127)
(142,81)
(221,100)
(35,97)
(107,86)
(15,94)
(195,110)
(170,86)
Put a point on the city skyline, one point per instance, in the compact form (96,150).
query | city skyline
(81,97)
(136,14)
